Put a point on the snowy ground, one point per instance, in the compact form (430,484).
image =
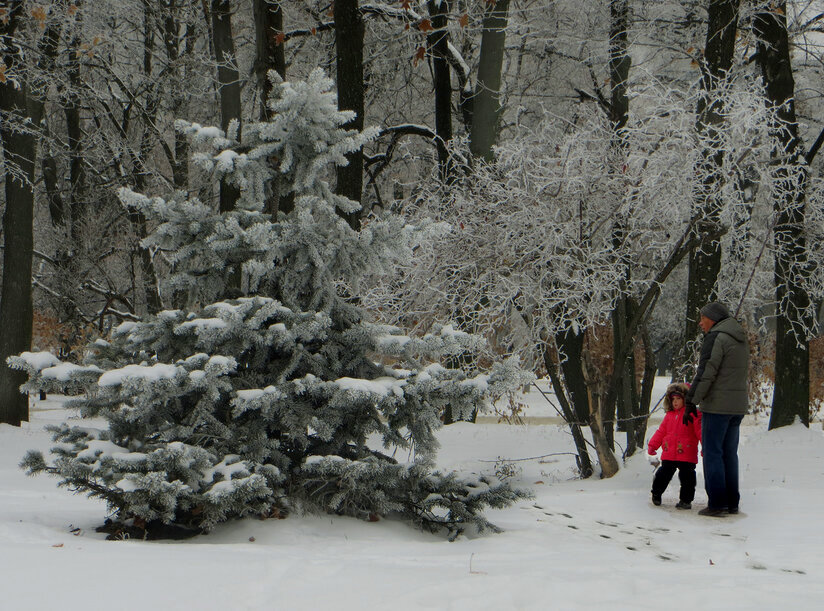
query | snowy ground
(577,545)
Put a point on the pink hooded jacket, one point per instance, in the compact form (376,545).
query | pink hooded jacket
(677,440)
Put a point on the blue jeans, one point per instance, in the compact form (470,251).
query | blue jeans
(719,439)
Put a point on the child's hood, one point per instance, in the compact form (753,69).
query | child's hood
(676,387)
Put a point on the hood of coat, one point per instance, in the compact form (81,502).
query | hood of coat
(731,327)
(677,387)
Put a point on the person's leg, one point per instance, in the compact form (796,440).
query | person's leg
(713,432)
(662,477)
(730,448)
(686,475)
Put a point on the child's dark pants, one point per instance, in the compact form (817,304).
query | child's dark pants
(686,475)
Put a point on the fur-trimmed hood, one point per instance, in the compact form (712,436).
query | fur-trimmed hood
(677,387)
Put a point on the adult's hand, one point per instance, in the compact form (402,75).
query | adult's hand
(690,411)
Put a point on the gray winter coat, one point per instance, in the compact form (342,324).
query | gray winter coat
(720,384)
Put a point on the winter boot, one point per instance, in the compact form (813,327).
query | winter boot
(683,505)
(656,499)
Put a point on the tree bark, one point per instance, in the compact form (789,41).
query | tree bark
(486,108)
(74,134)
(150,288)
(570,397)
(228,79)
(641,413)
(269,49)
(626,394)
(635,321)
(19,149)
(51,181)
(583,401)
(705,259)
(172,39)
(601,411)
(791,398)
(438,42)
(270,54)
(228,85)
(627,400)
(51,184)
(349,35)
(16,308)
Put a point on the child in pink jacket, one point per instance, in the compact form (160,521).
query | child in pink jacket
(679,444)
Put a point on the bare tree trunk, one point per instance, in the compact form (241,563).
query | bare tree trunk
(51,184)
(636,320)
(486,109)
(641,414)
(228,85)
(705,259)
(19,149)
(269,50)
(626,395)
(74,133)
(228,79)
(619,66)
(567,409)
(150,288)
(270,55)
(570,348)
(349,34)
(599,417)
(791,398)
(51,181)
(172,38)
(438,42)
(16,308)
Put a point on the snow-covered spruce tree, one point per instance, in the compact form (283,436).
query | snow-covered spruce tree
(282,397)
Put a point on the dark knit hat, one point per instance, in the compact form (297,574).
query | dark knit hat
(715,311)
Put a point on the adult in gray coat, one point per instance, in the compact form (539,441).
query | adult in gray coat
(720,391)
